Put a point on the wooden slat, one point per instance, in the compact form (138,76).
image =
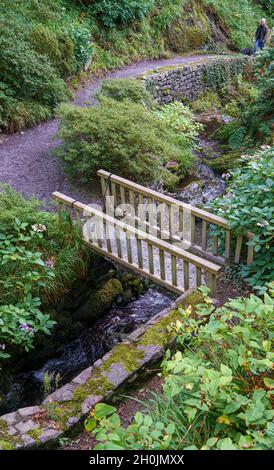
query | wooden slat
(198,277)
(250,250)
(199,213)
(156,242)
(211,283)
(227,244)
(193,228)
(154,278)
(108,240)
(150,258)
(118,241)
(129,249)
(204,234)
(174,270)
(162,264)
(114,194)
(238,248)
(186,275)
(140,254)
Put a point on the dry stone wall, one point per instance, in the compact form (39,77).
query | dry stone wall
(188,82)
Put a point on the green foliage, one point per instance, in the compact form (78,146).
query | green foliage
(121,89)
(210,101)
(217,387)
(39,45)
(240,19)
(120,12)
(39,260)
(179,118)
(248,206)
(120,137)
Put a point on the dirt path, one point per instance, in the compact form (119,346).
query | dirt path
(26,161)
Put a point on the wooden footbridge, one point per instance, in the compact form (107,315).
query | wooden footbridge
(173,244)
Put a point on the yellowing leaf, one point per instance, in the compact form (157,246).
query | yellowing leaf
(224,419)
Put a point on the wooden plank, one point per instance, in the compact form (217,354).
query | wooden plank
(227,244)
(156,242)
(186,275)
(198,277)
(250,250)
(108,240)
(181,222)
(174,270)
(114,194)
(140,254)
(141,216)
(123,196)
(199,213)
(238,248)
(134,267)
(211,282)
(193,228)
(204,234)
(162,264)
(129,249)
(118,241)
(150,258)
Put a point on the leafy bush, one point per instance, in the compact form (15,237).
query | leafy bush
(121,89)
(217,387)
(179,118)
(248,206)
(116,12)
(120,137)
(23,272)
(252,104)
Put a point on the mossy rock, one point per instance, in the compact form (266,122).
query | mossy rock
(170,180)
(99,301)
(225,162)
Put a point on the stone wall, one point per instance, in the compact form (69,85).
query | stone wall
(188,82)
(63,412)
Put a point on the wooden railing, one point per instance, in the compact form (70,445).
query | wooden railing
(202,224)
(147,255)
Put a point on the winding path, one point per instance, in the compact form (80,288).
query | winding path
(26,160)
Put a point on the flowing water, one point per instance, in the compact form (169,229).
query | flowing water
(28,388)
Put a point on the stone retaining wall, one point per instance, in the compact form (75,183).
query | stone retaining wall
(64,411)
(188,82)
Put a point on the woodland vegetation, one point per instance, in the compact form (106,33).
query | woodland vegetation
(217,384)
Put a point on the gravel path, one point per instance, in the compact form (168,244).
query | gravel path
(26,160)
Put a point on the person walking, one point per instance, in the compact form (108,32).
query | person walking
(260,35)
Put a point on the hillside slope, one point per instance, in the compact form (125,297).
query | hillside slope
(43,43)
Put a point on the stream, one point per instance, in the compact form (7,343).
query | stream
(30,387)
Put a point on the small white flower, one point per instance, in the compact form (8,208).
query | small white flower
(226,176)
(39,228)
(2,347)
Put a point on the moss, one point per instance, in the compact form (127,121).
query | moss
(225,162)
(170,180)
(35,434)
(126,354)
(159,334)
(210,101)
(5,445)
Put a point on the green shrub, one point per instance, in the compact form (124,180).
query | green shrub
(120,12)
(120,137)
(121,89)
(181,121)
(208,102)
(59,246)
(248,206)
(217,387)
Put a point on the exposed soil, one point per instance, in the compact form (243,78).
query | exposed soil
(26,160)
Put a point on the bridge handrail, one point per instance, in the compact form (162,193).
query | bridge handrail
(208,267)
(196,213)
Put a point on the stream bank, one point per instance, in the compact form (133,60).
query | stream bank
(97,314)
